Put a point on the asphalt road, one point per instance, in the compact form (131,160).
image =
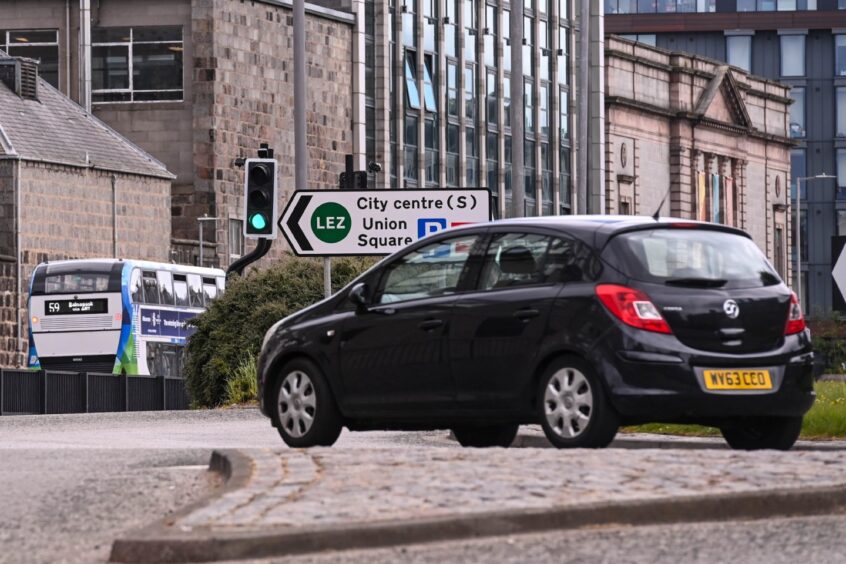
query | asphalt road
(72,483)
(777,541)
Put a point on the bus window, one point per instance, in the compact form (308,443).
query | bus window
(76,283)
(165,287)
(195,290)
(135,287)
(151,288)
(221,284)
(180,289)
(210,290)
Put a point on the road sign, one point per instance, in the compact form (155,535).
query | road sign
(838,259)
(375,222)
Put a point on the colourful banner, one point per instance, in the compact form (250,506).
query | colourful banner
(701,197)
(715,198)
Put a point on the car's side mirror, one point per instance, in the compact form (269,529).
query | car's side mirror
(358,296)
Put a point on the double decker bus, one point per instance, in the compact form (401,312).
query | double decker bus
(116,316)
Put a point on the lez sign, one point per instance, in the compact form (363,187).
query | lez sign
(375,222)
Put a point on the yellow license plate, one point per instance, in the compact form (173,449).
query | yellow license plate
(738,379)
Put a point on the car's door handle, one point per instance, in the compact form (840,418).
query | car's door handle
(526,313)
(431,324)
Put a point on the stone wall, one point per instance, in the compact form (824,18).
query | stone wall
(243,95)
(8,327)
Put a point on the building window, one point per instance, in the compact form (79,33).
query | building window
(543,109)
(409,23)
(529,166)
(452,155)
(506,101)
(545,53)
(766,5)
(411,91)
(564,192)
(706,6)
(491,98)
(506,40)
(469,93)
(546,178)
(739,51)
(528,43)
(493,171)
(428,88)
(430,135)
(528,99)
(472,159)
(840,55)
(236,238)
(778,250)
(411,129)
(797,112)
(841,112)
(745,5)
(564,116)
(39,44)
(139,64)
(841,222)
(430,19)
(563,45)
(797,170)
(507,154)
(645,38)
(562,9)
(792,55)
(470,29)
(841,174)
(491,32)
(452,89)
(646,6)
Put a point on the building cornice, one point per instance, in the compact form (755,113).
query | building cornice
(716,21)
(55,162)
(315,10)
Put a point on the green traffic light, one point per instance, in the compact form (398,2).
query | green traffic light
(258,222)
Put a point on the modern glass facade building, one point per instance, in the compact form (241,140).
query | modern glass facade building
(801,43)
(438,97)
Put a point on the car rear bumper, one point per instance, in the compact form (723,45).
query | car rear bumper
(646,382)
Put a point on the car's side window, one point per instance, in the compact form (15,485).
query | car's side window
(515,259)
(570,260)
(431,270)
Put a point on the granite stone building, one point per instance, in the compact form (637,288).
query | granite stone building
(801,43)
(70,187)
(711,139)
(197,84)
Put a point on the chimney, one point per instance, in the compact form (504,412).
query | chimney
(21,76)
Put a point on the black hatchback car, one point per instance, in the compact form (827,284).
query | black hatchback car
(580,324)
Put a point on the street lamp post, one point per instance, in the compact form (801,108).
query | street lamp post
(799,180)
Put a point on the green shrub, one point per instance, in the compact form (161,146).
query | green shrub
(233,327)
(242,387)
(828,335)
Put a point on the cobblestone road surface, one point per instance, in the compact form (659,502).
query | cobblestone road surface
(332,486)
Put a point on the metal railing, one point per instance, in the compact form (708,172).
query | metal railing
(29,392)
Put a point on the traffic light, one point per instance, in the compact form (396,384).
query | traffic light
(260,199)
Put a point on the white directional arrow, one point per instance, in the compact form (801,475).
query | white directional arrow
(839,272)
(375,222)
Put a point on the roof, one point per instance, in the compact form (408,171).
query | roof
(55,129)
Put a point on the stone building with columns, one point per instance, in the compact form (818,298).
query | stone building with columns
(711,138)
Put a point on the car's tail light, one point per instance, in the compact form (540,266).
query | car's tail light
(632,307)
(795,319)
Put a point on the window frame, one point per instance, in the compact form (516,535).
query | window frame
(6,45)
(130,90)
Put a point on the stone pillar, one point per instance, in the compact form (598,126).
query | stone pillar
(680,182)
(696,156)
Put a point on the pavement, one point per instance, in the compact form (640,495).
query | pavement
(283,501)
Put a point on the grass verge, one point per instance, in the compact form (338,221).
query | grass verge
(825,420)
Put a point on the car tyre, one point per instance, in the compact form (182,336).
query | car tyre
(573,408)
(776,433)
(487,436)
(304,410)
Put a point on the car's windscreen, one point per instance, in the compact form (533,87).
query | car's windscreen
(695,258)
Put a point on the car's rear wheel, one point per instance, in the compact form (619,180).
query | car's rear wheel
(486,436)
(573,408)
(305,412)
(777,433)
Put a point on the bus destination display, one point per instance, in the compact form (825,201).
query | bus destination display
(65,307)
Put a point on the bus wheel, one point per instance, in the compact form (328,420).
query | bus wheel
(305,412)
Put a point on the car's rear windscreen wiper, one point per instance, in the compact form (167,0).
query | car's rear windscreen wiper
(696,282)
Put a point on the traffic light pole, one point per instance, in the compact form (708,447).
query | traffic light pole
(262,248)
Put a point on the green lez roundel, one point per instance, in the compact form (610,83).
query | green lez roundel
(331,222)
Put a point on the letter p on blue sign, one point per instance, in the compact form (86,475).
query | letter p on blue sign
(427,226)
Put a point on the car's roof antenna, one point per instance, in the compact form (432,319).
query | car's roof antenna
(657,215)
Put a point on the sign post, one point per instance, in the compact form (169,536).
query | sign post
(838,272)
(375,222)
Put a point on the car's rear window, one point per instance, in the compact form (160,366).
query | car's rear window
(695,257)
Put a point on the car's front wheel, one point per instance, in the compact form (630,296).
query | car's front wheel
(486,436)
(305,412)
(777,433)
(573,408)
